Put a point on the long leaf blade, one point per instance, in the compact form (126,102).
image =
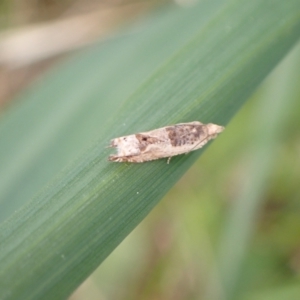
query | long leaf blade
(55,241)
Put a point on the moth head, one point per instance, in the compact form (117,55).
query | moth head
(214,128)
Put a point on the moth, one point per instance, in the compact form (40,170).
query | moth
(163,142)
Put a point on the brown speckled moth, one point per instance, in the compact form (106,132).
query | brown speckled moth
(163,142)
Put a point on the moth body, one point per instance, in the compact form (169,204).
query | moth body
(163,142)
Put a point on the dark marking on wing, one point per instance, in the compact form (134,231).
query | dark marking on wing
(145,140)
(180,135)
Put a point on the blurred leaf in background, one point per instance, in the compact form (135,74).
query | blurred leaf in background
(197,63)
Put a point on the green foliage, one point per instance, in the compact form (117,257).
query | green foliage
(200,63)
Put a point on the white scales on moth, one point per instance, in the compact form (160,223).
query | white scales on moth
(163,142)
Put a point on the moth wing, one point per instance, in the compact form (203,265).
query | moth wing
(147,139)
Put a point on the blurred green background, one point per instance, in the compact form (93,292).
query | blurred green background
(235,215)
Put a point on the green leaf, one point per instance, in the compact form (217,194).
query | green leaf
(200,63)
(242,220)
